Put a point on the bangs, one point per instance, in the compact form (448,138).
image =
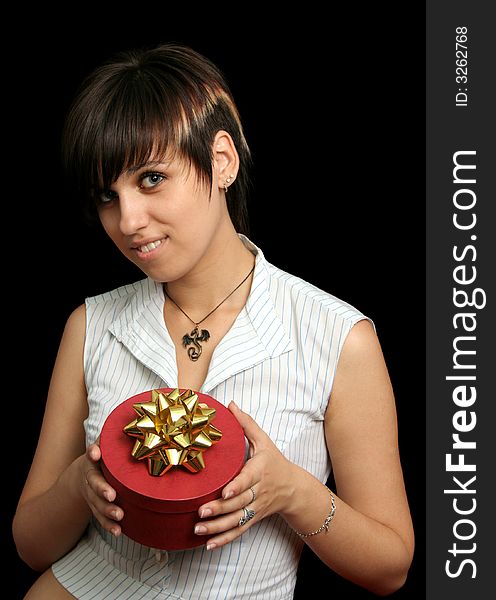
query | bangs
(148,106)
(128,128)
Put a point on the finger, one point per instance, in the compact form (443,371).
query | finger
(223,523)
(227,522)
(107,523)
(229,535)
(110,526)
(106,513)
(222,507)
(106,510)
(94,453)
(252,430)
(98,484)
(243,481)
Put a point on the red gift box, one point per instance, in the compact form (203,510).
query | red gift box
(161,512)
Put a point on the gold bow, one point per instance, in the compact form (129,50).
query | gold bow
(173,429)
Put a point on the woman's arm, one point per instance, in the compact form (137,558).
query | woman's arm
(54,508)
(370,540)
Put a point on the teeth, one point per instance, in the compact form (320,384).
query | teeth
(149,247)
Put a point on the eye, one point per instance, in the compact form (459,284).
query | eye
(151,180)
(105,196)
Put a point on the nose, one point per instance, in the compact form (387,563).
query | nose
(133,212)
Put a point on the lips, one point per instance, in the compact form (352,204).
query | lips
(148,246)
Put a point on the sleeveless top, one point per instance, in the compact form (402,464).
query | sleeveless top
(277,362)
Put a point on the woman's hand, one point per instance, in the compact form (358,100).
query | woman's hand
(98,494)
(264,485)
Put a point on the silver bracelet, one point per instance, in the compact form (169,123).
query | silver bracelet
(326,523)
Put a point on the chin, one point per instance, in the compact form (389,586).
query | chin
(161,275)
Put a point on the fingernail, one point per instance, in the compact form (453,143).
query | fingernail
(116,515)
(107,496)
(205,512)
(115,531)
(200,529)
(228,494)
(211,546)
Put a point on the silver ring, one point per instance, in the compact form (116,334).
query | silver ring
(248,514)
(252,495)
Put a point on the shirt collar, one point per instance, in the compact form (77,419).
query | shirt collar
(260,306)
(257,334)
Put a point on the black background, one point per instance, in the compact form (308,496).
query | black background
(333,112)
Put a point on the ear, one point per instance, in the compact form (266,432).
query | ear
(226,160)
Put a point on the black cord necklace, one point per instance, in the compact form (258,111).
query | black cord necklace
(196,336)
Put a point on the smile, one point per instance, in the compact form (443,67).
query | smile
(149,247)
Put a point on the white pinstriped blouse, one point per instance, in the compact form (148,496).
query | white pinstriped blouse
(277,362)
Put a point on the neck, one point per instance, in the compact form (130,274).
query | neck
(218,273)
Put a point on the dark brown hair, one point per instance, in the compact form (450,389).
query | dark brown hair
(144,104)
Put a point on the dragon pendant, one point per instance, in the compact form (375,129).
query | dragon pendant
(193,340)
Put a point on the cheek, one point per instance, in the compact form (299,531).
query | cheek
(110,224)
(190,215)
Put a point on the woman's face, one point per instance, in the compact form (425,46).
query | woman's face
(162,218)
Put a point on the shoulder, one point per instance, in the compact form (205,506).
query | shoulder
(362,347)
(304,299)
(292,296)
(73,337)
(76,322)
(133,296)
(118,307)
(122,294)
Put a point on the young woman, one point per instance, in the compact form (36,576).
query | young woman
(154,141)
